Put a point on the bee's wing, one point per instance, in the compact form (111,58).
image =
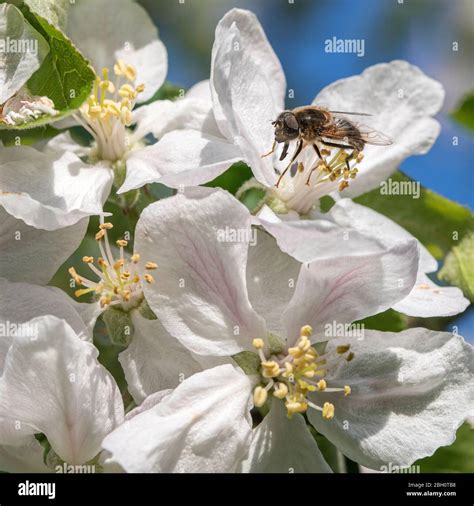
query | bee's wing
(372,136)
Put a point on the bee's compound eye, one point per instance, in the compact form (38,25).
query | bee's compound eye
(290,121)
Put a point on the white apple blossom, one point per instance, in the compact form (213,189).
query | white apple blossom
(247,91)
(371,395)
(50,383)
(66,181)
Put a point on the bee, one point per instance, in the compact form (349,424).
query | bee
(313,125)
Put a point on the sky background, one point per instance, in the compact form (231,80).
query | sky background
(419,31)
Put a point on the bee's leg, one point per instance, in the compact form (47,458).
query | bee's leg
(272,150)
(298,149)
(285,151)
(315,146)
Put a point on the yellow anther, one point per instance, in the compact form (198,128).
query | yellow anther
(99,288)
(304,344)
(127,91)
(126,295)
(343,348)
(126,116)
(88,260)
(289,369)
(130,72)
(140,88)
(125,275)
(296,407)
(259,396)
(106,226)
(102,263)
(258,343)
(122,243)
(83,291)
(100,234)
(328,411)
(280,391)
(354,173)
(75,276)
(325,152)
(104,301)
(151,265)
(120,68)
(343,185)
(135,258)
(360,157)
(321,385)
(347,390)
(271,369)
(149,278)
(306,331)
(119,264)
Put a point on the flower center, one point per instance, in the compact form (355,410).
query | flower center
(304,185)
(301,372)
(120,283)
(107,112)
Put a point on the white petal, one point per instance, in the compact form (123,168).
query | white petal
(200,295)
(21,302)
(26,458)
(106,30)
(164,116)
(51,190)
(410,392)
(242,27)
(271,280)
(402,100)
(154,360)
(364,220)
(427,300)
(308,240)
(242,94)
(17,66)
(203,426)
(181,158)
(54,384)
(350,288)
(281,445)
(34,255)
(201,91)
(64,142)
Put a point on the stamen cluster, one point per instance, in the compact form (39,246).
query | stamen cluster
(120,282)
(297,375)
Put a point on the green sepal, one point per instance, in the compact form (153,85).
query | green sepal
(119,325)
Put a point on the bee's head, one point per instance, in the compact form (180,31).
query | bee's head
(286,127)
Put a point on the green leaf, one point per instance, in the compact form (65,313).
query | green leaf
(436,221)
(457,458)
(233,178)
(53,11)
(388,321)
(29,136)
(458,267)
(248,361)
(65,75)
(464,112)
